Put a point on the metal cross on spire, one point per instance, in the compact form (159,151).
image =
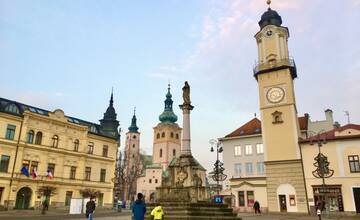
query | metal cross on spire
(268,2)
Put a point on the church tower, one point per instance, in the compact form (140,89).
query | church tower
(109,125)
(167,135)
(275,73)
(132,158)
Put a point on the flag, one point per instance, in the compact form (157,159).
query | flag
(49,174)
(25,171)
(34,173)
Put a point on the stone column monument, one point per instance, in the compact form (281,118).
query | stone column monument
(186,107)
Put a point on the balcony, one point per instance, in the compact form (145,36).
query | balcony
(276,64)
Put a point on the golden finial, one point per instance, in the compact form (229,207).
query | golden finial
(268,2)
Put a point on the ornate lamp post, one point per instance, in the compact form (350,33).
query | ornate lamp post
(322,170)
(218,172)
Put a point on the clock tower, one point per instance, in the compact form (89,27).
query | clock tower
(275,73)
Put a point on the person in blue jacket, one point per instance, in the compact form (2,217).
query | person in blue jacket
(139,208)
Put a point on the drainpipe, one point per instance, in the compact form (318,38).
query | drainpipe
(306,192)
(13,169)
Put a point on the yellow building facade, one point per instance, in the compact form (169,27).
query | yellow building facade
(43,149)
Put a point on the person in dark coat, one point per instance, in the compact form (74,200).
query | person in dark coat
(257,207)
(139,208)
(90,208)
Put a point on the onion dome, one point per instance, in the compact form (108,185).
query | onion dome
(270,17)
(168,116)
(133,127)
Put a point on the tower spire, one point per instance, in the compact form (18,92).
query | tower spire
(268,2)
(168,114)
(112,96)
(133,127)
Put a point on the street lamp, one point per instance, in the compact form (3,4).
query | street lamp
(218,172)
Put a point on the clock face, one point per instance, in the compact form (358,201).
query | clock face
(275,94)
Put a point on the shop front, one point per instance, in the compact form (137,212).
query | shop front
(331,194)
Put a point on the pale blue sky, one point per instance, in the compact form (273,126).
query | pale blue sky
(68,55)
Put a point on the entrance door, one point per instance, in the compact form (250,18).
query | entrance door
(282,203)
(23,198)
(356,192)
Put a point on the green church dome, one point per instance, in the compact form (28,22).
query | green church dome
(168,116)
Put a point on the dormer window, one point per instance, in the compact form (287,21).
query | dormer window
(12,108)
(93,129)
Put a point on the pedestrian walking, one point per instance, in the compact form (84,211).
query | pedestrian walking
(320,206)
(139,208)
(90,208)
(257,207)
(157,213)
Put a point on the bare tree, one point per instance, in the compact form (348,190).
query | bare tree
(92,193)
(47,192)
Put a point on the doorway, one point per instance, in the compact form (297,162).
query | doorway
(23,198)
(356,192)
(282,203)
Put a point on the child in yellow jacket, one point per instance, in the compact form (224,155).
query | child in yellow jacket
(157,213)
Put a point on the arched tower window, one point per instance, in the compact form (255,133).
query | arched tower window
(177,136)
(38,138)
(174,152)
(12,108)
(55,140)
(163,134)
(133,145)
(134,137)
(30,137)
(157,135)
(76,145)
(160,153)
(172,134)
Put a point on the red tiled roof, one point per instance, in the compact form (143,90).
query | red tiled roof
(253,127)
(330,135)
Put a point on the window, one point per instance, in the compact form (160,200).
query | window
(241,196)
(26,164)
(174,152)
(72,173)
(87,173)
(133,145)
(177,136)
(249,169)
(90,148)
(51,168)
(76,145)
(68,198)
(237,150)
(55,140)
(248,149)
(38,138)
(93,129)
(172,134)
(34,166)
(158,136)
(150,180)
(237,169)
(30,137)
(160,153)
(12,108)
(260,168)
(277,117)
(102,175)
(134,136)
(250,198)
(105,151)
(156,181)
(101,199)
(10,132)
(163,134)
(4,163)
(354,163)
(259,148)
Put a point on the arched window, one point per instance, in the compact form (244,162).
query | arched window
(160,152)
(174,152)
(172,134)
(38,138)
(134,137)
(76,145)
(133,145)
(163,134)
(12,108)
(158,135)
(177,136)
(30,137)
(55,140)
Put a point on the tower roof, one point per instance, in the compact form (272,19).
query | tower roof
(110,113)
(168,115)
(270,17)
(133,127)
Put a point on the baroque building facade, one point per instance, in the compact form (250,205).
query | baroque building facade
(43,149)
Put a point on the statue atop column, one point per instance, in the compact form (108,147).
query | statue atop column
(186,94)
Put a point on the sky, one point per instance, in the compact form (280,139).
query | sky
(69,54)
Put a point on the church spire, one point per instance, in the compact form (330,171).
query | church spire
(168,116)
(133,127)
(109,124)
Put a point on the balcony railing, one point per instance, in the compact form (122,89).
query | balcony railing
(275,64)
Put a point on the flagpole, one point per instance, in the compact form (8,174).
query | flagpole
(13,169)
